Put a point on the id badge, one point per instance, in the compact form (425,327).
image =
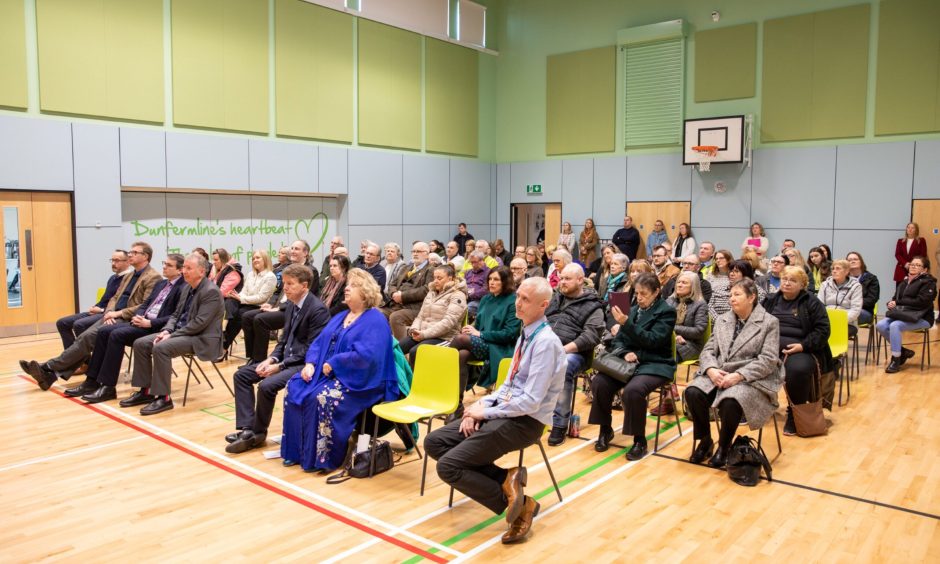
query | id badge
(505,394)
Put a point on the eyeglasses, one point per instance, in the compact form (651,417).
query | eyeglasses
(167,263)
(689,264)
(789,281)
(134,253)
(118,260)
(777,261)
(418,251)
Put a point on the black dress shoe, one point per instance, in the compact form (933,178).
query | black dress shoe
(719,459)
(894,365)
(636,452)
(137,398)
(24,366)
(232,437)
(158,405)
(103,393)
(86,387)
(247,441)
(43,375)
(557,436)
(702,451)
(603,441)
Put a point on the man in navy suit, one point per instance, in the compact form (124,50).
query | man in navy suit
(105,364)
(304,317)
(72,325)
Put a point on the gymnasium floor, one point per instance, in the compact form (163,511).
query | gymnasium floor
(100,483)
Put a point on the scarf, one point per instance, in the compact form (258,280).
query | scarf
(329,291)
(682,305)
(612,282)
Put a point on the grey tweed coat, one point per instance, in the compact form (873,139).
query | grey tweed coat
(754,355)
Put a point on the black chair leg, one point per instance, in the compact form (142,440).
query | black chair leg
(424,468)
(549,468)
(659,418)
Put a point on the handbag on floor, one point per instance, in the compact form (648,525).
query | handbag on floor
(745,461)
(356,464)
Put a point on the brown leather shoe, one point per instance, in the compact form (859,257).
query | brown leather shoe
(520,528)
(512,489)
(81,369)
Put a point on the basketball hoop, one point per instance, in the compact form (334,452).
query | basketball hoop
(706,154)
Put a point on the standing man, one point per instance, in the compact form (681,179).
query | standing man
(462,237)
(511,418)
(406,294)
(627,238)
(706,257)
(657,236)
(72,325)
(194,328)
(304,318)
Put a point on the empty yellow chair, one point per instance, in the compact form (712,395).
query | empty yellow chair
(839,343)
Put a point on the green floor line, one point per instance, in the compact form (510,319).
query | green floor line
(549,490)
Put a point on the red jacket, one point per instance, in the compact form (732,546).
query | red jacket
(918,247)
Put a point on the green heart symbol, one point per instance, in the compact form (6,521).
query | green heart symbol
(308,224)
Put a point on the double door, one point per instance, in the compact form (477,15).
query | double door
(39,285)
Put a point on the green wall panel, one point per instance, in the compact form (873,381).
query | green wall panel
(101,58)
(726,63)
(389,86)
(313,72)
(451,98)
(815,75)
(908,82)
(580,106)
(13,91)
(220,64)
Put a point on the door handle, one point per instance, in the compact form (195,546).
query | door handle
(29,249)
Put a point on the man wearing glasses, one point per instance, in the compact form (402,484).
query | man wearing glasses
(689,263)
(371,258)
(71,326)
(406,293)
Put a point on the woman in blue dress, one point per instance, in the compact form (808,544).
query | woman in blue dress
(350,367)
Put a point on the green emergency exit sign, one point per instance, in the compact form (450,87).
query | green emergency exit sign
(533,189)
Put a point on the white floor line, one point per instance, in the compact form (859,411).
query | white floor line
(568,499)
(445,509)
(363,517)
(69,453)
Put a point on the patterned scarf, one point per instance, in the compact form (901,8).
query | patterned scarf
(681,307)
(329,291)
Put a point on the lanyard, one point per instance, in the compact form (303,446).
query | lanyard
(520,351)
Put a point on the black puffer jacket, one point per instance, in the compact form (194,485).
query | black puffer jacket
(579,320)
(871,291)
(918,294)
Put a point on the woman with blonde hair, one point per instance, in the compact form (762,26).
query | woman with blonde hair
(566,237)
(533,261)
(908,247)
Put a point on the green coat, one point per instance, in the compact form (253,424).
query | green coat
(499,328)
(650,338)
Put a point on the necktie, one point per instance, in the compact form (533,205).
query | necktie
(295,312)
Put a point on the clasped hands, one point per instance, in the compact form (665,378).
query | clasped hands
(722,378)
(309,369)
(472,418)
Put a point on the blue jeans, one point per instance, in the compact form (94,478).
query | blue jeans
(891,330)
(864,317)
(576,363)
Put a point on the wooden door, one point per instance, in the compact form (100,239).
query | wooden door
(926,214)
(40,274)
(552,224)
(645,214)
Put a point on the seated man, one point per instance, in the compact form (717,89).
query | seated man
(371,258)
(483,247)
(518,268)
(663,269)
(304,318)
(692,264)
(134,290)
(476,277)
(194,328)
(72,325)
(151,316)
(407,292)
(512,417)
(576,315)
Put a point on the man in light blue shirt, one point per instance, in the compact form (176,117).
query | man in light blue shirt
(512,417)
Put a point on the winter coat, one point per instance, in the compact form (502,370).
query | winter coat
(442,313)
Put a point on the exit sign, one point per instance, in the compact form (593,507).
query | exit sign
(533,189)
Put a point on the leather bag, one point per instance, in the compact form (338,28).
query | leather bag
(746,459)
(356,464)
(612,364)
(906,314)
(808,417)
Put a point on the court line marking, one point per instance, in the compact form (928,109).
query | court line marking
(68,453)
(161,435)
(832,493)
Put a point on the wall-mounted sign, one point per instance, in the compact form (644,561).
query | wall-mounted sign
(531,189)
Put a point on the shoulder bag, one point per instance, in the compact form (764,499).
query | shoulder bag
(905,313)
(356,464)
(808,417)
(612,364)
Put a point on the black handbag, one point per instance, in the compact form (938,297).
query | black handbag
(906,314)
(612,364)
(745,461)
(356,464)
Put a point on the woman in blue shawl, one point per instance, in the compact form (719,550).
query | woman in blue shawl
(350,367)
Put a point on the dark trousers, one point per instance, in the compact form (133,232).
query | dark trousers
(634,402)
(697,404)
(72,325)
(80,351)
(257,326)
(410,347)
(234,324)
(105,363)
(801,369)
(252,414)
(466,463)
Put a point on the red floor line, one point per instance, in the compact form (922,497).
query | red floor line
(257,482)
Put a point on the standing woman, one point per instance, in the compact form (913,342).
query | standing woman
(908,247)
(684,245)
(587,242)
(258,288)
(333,293)
(645,338)
(566,237)
(720,283)
(757,240)
(915,294)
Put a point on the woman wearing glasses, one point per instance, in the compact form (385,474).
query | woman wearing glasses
(910,310)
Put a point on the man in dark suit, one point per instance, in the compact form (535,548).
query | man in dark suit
(194,328)
(151,316)
(72,325)
(304,318)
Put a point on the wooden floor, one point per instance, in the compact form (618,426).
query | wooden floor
(95,483)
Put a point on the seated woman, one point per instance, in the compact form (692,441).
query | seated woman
(333,292)
(721,285)
(598,270)
(493,334)
(258,288)
(691,316)
(533,260)
(739,374)
(796,259)
(614,316)
(871,288)
(916,294)
(499,252)
(441,314)
(645,338)
(840,291)
(350,367)
(743,269)
(770,282)
(617,277)
(819,267)
(804,337)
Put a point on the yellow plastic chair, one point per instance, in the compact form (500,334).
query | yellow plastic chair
(694,361)
(99,294)
(839,345)
(434,391)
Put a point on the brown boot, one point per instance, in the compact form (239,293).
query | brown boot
(669,407)
(512,489)
(520,528)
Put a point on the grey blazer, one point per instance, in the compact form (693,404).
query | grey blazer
(754,355)
(204,323)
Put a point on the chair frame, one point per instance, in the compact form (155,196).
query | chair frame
(192,361)
(760,433)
